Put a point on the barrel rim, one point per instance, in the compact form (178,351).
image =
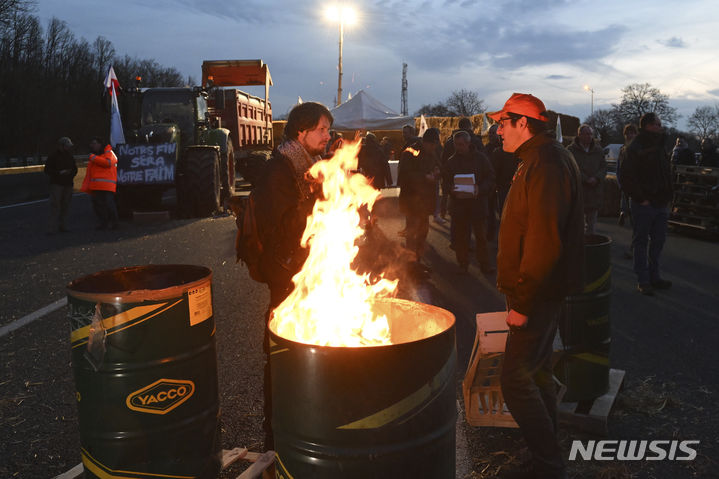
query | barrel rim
(602,240)
(450,327)
(135,295)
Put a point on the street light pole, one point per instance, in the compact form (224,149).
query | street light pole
(339,78)
(344,15)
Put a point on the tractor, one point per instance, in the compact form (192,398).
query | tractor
(176,139)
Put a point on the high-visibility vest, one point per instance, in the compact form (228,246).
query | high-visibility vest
(101,172)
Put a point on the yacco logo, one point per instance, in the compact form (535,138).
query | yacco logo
(634,450)
(161,397)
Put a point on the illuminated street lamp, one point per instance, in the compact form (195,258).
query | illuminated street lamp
(343,15)
(590,89)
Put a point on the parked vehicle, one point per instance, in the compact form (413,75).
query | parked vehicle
(611,154)
(188,138)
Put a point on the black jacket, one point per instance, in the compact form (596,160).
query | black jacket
(474,162)
(541,237)
(61,168)
(374,165)
(281,214)
(646,172)
(504,164)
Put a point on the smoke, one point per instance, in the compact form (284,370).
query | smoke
(386,258)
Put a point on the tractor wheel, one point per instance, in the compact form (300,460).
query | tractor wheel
(227,171)
(201,182)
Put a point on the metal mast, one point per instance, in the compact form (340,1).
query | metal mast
(404,89)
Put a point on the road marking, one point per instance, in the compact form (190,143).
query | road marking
(19,323)
(33,202)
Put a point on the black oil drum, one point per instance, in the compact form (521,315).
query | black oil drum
(379,411)
(584,326)
(145,366)
(597,263)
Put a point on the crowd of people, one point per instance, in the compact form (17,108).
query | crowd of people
(522,189)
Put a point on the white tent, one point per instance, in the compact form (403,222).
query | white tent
(365,112)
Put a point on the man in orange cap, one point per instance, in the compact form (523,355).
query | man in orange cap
(539,258)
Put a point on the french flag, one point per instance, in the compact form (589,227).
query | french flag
(111,81)
(117,136)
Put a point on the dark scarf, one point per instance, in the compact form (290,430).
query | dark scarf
(300,161)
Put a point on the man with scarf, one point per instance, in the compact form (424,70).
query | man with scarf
(646,178)
(284,199)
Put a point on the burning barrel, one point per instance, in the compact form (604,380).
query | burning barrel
(143,356)
(375,411)
(585,328)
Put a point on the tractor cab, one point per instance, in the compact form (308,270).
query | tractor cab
(184,107)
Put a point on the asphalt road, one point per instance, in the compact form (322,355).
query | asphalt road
(667,343)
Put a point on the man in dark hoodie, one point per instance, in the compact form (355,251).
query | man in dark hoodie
(61,169)
(646,177)
(538,264)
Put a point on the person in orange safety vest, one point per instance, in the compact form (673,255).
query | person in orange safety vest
(101,183)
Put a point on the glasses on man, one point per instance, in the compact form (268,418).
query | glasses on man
(501,121)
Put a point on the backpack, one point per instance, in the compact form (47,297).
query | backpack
(248,244)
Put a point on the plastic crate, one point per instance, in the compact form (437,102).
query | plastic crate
(483,400)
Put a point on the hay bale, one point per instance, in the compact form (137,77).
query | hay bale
(447,124)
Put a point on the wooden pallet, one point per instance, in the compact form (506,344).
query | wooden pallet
(592,416)
(260,463)
(699,223)
(696,171)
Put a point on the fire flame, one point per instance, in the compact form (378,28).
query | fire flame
(412,150)
(331,305)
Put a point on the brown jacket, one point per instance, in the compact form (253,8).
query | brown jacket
(541,238)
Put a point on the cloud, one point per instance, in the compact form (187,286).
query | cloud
(556,45)
(557,77)
(674,42)
(714,92)
(254,12)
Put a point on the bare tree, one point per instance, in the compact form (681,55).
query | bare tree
(438,109)
(704,122)
(465,103)
(605,123)
(51,81)
(104,54)
(11,8)
(641,98)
